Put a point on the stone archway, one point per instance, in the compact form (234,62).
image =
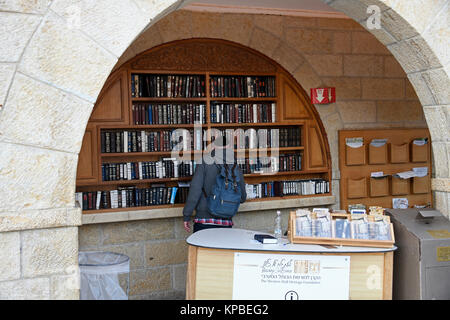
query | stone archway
(417,34)
(54,62)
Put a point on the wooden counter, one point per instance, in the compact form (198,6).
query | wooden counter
(211,263)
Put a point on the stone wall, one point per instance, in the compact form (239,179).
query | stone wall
(39,264)
(372,89)
(158,251)
(372,92)
(41,50)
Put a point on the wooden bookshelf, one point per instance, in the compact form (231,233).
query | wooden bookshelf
(205,58)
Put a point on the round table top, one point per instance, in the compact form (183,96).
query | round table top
(241,239)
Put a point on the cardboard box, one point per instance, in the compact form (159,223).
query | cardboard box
(422,260)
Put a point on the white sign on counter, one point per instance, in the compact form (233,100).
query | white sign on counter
(290,277)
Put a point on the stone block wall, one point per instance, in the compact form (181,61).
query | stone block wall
(158,250)
(41,51)
(39,264)
(372,90)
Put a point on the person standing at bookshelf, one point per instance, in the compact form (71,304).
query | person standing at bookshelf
(202,183)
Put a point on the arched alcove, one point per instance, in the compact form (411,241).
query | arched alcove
(52,70)
(209,57)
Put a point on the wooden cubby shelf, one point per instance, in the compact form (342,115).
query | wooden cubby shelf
(258,94)
(357,186)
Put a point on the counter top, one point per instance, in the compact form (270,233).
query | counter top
(241,239)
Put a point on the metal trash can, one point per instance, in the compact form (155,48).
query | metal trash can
(102,275)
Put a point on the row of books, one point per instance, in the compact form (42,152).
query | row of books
(282,163)
(118,141)
(128,197)
(260,138)
(146,114)
(167,86)
(151,141)
(172,168)
(243,113)
(242,86)
(287,188)
(164,168)
(159,194)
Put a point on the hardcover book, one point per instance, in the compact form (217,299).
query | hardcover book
(265,238)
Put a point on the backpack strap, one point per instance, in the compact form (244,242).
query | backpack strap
(203,186)
(226,175)
(233,175)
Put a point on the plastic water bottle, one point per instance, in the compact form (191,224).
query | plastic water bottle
(277,231)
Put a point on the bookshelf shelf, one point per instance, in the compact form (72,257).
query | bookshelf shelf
(252,124)
(143,154)
(143,181)
(289,197)
(167,99)
(256,88)
(178,205)
(283,173)
(152,126)
(284,149)
(168,153)
(244,99)
(181,205)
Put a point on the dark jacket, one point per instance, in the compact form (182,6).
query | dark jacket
(205,176)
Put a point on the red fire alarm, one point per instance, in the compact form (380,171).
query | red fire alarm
(323,95)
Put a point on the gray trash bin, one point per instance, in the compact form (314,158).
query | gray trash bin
(99,275)
(422,261)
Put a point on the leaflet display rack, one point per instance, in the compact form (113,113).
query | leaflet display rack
(369,163)
(336,241)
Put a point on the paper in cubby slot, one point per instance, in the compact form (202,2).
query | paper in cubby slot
(400,203)
(378,175)
(356,206)
(342,229)
(354,142)
(322,225)
(420,141)
(360,226)
(303,223)
(415,172)
(420,171)
(339,211)
(380,229)
(404,175)
(321,210)
(376,211)
(378,142)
